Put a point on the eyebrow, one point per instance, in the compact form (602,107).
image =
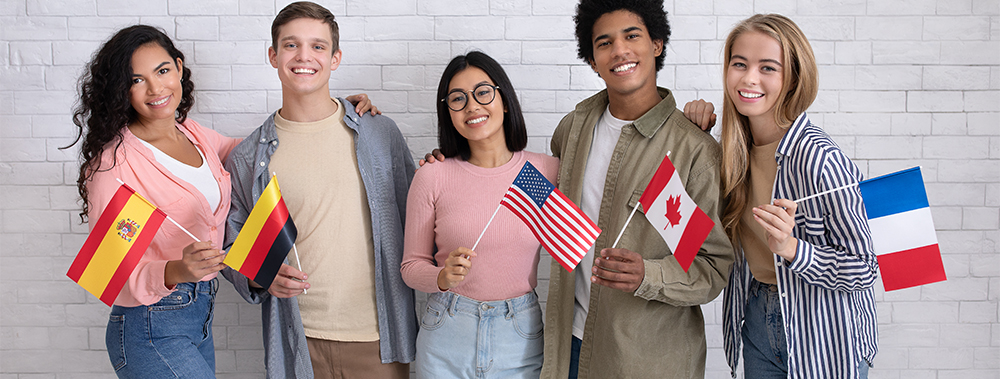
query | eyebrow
(737,56)
(624,31)
(321,40)
(474,87)
(158,67)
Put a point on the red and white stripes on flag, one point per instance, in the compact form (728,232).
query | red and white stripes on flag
(558,224)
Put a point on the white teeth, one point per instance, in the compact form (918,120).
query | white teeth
(160,102)
(624,67)
(304,71)
(750,95)
(476,120)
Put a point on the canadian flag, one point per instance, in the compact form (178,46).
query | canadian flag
(676,217)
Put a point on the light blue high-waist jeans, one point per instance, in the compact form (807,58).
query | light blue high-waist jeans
(169,339)
(463,338)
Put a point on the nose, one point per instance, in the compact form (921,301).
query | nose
(301,54)
(155,85)
(751,77)
(618,49)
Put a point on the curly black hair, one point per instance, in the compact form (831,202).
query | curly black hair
(103,109)
(589,11)
(515,132)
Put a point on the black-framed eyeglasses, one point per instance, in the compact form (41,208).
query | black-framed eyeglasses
(458,99)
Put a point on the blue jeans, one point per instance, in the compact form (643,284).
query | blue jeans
(463,338)
(765,353)
(169,339)
(574,358)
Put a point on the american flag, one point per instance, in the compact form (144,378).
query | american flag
(562,228)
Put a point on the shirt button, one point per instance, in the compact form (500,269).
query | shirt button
(213,228)
(275,143)
(261,164)
(263,139)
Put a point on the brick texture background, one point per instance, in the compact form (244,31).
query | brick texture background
(903,83)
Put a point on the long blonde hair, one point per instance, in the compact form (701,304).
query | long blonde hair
(799,87)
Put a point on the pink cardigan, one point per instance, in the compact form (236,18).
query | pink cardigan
(448,205)
(181,201)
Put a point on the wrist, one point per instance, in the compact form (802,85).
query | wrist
(170,275)
(442,284)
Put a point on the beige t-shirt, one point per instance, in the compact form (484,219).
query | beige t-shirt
(320,182)
(763,169)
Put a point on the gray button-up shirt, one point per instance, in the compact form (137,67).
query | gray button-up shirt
(386,170)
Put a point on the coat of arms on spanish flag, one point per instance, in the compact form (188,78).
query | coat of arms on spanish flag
(115,244)
(265,238)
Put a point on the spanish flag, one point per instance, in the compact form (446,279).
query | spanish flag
(265,238)
(116,242)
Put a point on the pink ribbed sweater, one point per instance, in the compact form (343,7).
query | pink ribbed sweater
(448,205)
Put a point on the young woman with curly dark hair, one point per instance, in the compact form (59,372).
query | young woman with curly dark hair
(132,119)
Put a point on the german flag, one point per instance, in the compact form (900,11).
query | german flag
(116,242)
(265,238)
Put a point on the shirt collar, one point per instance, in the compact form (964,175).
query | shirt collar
(793,135)
(648,123)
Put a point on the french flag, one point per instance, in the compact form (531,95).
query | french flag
(667,206)
(903,235)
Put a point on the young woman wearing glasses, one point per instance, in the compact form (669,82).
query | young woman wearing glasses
(482,314)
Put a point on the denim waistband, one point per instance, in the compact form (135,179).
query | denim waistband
(507,308)
(757,286)
(207,286)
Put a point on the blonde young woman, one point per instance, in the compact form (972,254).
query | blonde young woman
(800,298)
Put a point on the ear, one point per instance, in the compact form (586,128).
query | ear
(657,47)
(272,56)
(593,66)
(335,59)
(180,65)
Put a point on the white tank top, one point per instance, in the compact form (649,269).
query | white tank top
(199,177)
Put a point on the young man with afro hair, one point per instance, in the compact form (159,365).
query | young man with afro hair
(631,311)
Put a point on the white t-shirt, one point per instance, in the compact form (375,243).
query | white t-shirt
(200,177)
(606,134)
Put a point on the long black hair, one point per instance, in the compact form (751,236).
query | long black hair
(103,109)
(450,141)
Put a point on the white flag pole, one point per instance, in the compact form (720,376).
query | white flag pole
(298,263)
(628,220)
(172,220)
(826,192)
(626,225)
(487,226)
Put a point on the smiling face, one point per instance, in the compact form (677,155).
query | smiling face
(754,76)
(156,84)
(303,57)
(478,123)
(624,54)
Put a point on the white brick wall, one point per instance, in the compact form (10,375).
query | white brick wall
(904,83)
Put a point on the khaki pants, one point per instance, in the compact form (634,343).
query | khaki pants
(351,360)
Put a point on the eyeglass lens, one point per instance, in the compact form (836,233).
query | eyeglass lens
(483,94)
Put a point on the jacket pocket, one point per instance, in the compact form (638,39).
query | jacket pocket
(114,339)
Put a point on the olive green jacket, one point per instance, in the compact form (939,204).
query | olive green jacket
(658,331)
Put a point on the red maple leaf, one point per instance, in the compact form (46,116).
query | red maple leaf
(673,211)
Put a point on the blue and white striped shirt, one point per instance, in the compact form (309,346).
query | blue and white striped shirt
(827,294)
